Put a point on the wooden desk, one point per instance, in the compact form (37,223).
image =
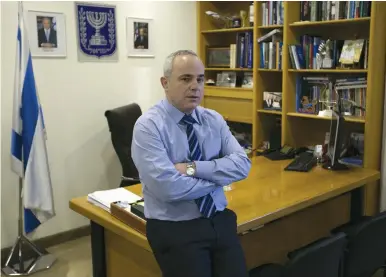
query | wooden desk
(278,211)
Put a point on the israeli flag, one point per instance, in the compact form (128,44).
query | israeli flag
(54,23)
(28,146)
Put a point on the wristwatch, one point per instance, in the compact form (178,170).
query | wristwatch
(190,169)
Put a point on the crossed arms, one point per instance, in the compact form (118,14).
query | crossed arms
(164,179)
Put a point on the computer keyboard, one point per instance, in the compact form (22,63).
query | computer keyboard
(303,163)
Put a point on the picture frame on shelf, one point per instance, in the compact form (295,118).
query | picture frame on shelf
(226,79)
(140,37)
(272,100)
(47,34)
(218,57)
(247,80)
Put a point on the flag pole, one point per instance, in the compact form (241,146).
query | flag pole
(18,244)
(20,225)
(25,257)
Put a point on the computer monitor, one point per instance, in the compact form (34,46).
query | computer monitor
(337,143)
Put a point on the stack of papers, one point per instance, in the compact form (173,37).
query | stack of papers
(104,198)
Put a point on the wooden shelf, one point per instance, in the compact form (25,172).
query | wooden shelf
(230,30)
(244,105)
(353,119)
(227,69)
(237,93)
(340,71)
(269,27)
(331,22)
(237,119)
(227,88)
(268,70)
(269,111)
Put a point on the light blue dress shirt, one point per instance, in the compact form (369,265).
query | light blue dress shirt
(160,142)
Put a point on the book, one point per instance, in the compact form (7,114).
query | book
(272,13)
(333,10)
(315,94)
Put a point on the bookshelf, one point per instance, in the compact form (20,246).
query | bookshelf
(298,129)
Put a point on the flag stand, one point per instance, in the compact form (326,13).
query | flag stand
(38,259)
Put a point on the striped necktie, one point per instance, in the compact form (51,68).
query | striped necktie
(205,203)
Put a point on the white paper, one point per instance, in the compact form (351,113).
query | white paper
(104,198)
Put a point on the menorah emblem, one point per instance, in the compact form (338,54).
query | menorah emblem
(97,20)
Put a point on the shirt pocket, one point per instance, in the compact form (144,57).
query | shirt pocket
(211,146)
(177,151)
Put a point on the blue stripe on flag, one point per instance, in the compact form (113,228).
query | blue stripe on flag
(29,115)
(19,34)
(29,111)
(16,145)
(30,221)
(19,39)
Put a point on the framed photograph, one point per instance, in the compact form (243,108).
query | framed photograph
(140,37)
(96,32)
(272,100)
(226,79)
(47,34)
(218,57)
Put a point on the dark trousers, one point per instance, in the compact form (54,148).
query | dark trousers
(198,248)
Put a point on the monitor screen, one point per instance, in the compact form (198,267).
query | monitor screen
(333,136)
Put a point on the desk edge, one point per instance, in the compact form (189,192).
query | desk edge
(259,222)
(134,236)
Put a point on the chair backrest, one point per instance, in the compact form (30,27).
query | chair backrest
(366,249)
(319,259)
(121,123)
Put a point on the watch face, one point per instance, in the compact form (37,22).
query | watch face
(190,171)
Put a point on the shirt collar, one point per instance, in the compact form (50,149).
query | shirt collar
(176,114)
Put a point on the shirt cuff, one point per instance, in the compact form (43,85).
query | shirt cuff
(204,169)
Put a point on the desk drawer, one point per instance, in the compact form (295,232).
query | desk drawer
(232,109)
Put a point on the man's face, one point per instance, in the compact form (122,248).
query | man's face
(185,87)
(46,23)
(141,31)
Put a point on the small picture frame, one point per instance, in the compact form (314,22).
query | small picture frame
(47,34)
(247,80)
(272,100)
(226,79)
(140,37)
(218,57)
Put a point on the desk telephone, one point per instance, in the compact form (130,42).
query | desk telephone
(285,153)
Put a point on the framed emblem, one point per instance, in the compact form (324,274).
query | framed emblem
(96,32)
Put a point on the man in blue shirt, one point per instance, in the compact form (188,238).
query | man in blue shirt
(185,155)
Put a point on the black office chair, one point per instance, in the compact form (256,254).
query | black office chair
(121,124)
(321,258)
(366,247)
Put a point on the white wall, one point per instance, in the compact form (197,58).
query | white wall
(74,98)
